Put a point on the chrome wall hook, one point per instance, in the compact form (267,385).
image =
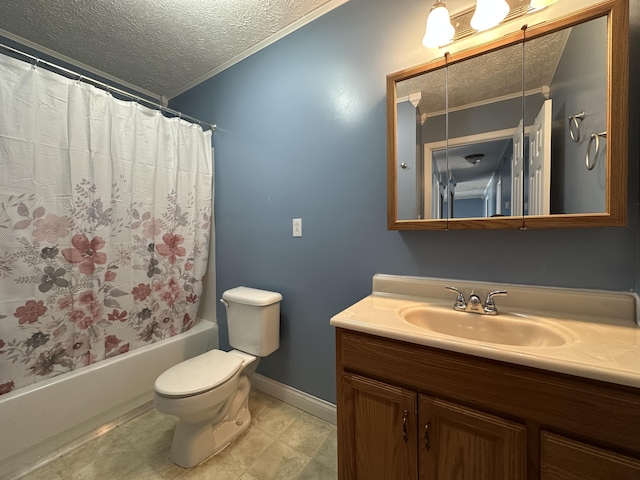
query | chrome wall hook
(574,126)
(594,136)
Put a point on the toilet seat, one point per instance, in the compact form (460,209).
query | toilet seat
(198,374)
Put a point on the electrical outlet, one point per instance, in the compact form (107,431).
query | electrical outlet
(297,227)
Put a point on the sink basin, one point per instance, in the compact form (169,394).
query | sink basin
(504,329)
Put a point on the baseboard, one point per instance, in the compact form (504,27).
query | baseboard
(308,403)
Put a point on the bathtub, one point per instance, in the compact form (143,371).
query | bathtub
(37,420)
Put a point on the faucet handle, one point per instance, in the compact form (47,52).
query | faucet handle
(460,302)
(489,305)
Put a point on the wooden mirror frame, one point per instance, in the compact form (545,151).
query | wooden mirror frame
(617,12)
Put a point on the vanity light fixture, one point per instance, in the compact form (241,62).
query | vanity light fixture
(538,4)
(489,13)
(439,30)
(473,20)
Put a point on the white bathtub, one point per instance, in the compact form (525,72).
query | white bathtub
(37,420)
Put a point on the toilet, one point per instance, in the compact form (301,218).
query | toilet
(209,393)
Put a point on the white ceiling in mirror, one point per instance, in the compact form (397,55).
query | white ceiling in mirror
(472,179)
(162,47)
(488,77)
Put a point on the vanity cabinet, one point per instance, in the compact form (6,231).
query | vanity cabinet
(407,411)
(466,444)
(565,459)
(447,441)
(382,439)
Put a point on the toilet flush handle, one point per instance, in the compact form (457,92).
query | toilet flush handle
(224,302)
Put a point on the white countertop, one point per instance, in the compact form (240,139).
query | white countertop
(602,346)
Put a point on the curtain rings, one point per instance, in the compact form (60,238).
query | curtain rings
(594,136)
(574,126)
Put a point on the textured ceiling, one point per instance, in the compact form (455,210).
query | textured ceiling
(488,76)
(160,46)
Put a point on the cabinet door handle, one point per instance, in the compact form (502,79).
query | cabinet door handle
(405,436)
(427,445)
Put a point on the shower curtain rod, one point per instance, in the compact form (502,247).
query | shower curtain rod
(109,88)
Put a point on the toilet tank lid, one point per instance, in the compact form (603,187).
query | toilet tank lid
(251,296)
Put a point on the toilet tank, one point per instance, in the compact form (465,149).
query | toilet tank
(253,320)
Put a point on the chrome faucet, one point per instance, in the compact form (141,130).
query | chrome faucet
(474,305)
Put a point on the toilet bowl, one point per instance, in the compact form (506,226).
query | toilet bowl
(212,409)
(209,393)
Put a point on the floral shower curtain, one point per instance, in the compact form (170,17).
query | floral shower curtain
(105,221)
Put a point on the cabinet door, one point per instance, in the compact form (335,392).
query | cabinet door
(377,431)
(564,459)
(463,444)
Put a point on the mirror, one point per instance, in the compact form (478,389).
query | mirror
(482,124)
(421,179)
(517,133)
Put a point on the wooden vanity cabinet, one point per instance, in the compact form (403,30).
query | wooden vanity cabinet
(407,411)
(466,444)
(381,441)
(565,459)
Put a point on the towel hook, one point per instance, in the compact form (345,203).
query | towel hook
(573,120)
(596,137)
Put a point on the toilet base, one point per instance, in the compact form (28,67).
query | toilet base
(204,445)
(193,443)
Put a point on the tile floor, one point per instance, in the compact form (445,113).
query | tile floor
(282,443)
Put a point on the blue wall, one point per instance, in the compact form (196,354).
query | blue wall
(580,83)
(302,133)
(468,208)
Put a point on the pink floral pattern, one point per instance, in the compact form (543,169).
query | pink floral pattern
(117,316)
(152,227)
(90,286)
(141,292)
(30,312)
(112,344)
(50,228)
(65,302)
(171,247)
(85,253)
(6,387)
(81,251)
(171,292)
